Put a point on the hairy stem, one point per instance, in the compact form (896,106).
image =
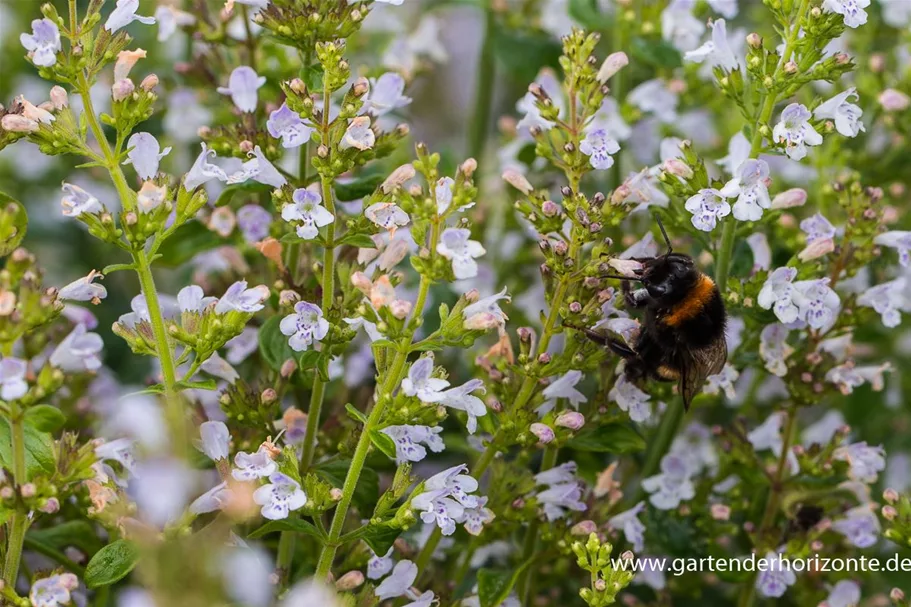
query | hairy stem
(524,584)
(484,88)
(19,522)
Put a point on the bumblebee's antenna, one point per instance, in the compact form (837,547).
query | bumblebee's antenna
(664,233)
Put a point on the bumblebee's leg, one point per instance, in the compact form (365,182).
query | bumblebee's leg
(631,298)
(621,349)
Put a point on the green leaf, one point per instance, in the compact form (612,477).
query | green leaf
(273,345)
(383,442)
(186,242)
(309,360)
(655,52)
(494,586)
(247,187)
(78,534)
(312,75)
(39,450)
(117,267)
(111,564)
(354,239)
(523,53)
(13,224)
(610,438)
(355,414)
(426,346)
(360,187)
(200,384)
(295,525)
(381,537)
(368,486)
(45,418)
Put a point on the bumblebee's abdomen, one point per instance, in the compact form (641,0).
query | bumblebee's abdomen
(698,318)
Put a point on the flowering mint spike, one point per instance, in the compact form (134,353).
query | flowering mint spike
(672,486)
(852,10)
(633,529)
(124,14)
(358,135)
(408,441)
(78,352)
(243,85)
(795,132)
(43,43)
(279,497)
(84,289)
(845,114)
(308,209)
(455,245)
(239,297)
(251,466)
(399,581)
(144,154)
(717,51)
(304,326)
(12,378)
(707,207)
(749,187)
(203,171)
(888,299)
(287,125)
(598,145)
(386,94)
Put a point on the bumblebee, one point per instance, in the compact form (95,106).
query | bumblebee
(682,336)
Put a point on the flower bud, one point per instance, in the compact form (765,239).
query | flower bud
(600,584)
(349,581)
(28,490)
(125,62)
(795,197)
(397,178)
(362,282)
(469,167)
(754,40)
(570,419)
(790,68)
(575,307)
(677,167)
(149,82)
(889,513)
(518,181)
(360,87)
(890,496)
(613,64)
(14,123)
(543,358)
(720,512)
(550,208)
(400,308)
(122,89)
(584,528)
(897,595)
(268,396)
(288,297)
(51,506)
(246,146)
(288,368)
(619,195)
(336,494)
(544,432)
(894,101)
(59,98)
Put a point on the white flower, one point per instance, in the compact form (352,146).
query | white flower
(845,114)
(817,303)
(241,299)
(486,313)
(78,352)
(717,50)
(475,518)
(749,186)
(865,462)
(563,491)
(386,94)
(53,591)
(281,495)
(818,229)
(311,592)
(169,19)
(203,171)
(455,245)
(77,201)
(564,387)
(399,581)
(308,209)
(379,566)
(598,145)
(726,8)
(408,441)
(888,299)
(43,43)
(768,434)
(898,240)
(847,376)
(258,169)
(852,10)
(823,430)
(419,382)
(633,529)
(251,466)
(722,381)
(287,125)
(707,207)
(846,593)
(162,489)
(387,215)
(84,289)
(144,154)
(762,252)
(124,14)
(778,292)
(214,439)
(860,526)
(213,499)
(460,398)
(630,399)
(795,132)
(672,485)
(445,497)
(193,299)
(773,579)
(304,326)
(243,84)
(774,349)
(12,378)
(358,135)
(653,96)
(679,26)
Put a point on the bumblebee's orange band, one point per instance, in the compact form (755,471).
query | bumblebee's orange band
(697,299)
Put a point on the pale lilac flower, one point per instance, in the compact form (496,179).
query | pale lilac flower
(358,135)
(387,215)
(860,526)
(532,118)
(817,303)
(120,451)
(726,8)
(823,430)
(124,14)
(627,328)
(563,493)
(258,169)
(84,289)
(888,299)
(679,26)
(768,434)
(187,115)
(193,299)
(251,466)
(722,381)
(203,171)
(443,193)
(654,97)
(865,462)
(445,497)
(214,499)
(898,240)
(695,446)
(287,125)
(399,581)
(846,593)
(78,352)
(486,313)
(144,154)
(845,114)
(161,489)
(369,327)
(774,349)
(169,19)
(612,64)
(12,378)
(544,433)
(633,529)
(455,245)
(253,221)
(820,237)
(214,439)
(749,187)
(408,439)
(421,384)
(630,399)
(379,566)
(564,387)
(247,573)
(241,347)
(238,297)
(773,579)
(717,51)
(852,10)
(308,209)
(598,145)
(243,85)
(608,117)
(304,326)
(386,94)
(795,132)
(762,252)
(475,518)
(847,376)
(53,591)
(281,495)
(77,201)
(672,486)
(778,292)
(707,207)
(43,43)
(461,399)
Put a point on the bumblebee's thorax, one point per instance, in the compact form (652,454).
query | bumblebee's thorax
(692,304)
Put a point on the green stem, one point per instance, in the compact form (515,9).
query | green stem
(524,584)
(484,87)
(19,523)
(54,555)
(661,442)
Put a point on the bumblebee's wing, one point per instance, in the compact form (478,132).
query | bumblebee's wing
(696,364)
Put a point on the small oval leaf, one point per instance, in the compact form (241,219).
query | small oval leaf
(45,418)
(13,224)
(111,564)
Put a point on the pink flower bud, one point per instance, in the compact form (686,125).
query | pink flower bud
(518,181)
(393,254)
(288,368)
(28,490)
(400,308)
(482,321)
(469,167)
(613,64)
(336,494)
(817,249)
(149,82)
(795,197)
(15,123)
(122,89)
(889,513)
(125,62)
(550,208)
(897,595)
(544,432)
(51,506)
(397,178)
(361,282)
(894,101)
(59,98)
(720,512)
(677,167)
(349,581)
(584,528)
(570,419)
(890,496)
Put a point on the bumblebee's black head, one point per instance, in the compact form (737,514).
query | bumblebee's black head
(669,278)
